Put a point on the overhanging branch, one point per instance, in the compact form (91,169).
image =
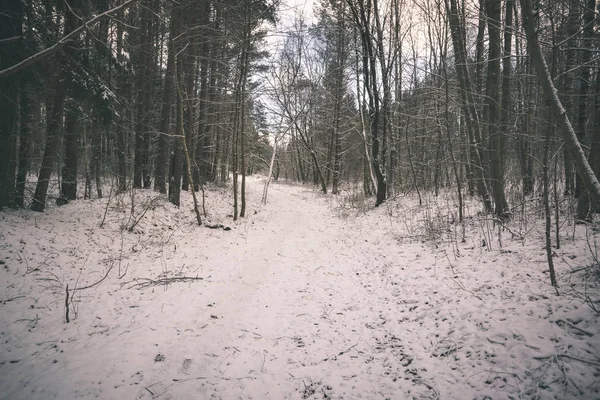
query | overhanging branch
(34,59)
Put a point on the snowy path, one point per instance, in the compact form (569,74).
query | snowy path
(295,303)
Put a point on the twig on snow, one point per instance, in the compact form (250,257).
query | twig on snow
(34,320)
(458,282)
(98,282)
(563,355)
(67,305)
(142,283)
(11,299)
(338,354)
(570,325)
(189,379)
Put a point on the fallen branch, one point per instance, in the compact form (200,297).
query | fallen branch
(142,283)
(338,354)
(189,379)
(11,299)
(34,320)
(570,325)
(594,363)
(458,282)
(98,282)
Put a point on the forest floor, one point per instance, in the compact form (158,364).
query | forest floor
(308,297)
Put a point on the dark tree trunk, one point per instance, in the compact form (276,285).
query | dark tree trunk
(497,115)
(121,135)
(201,156)
(176,158)
(479,48)
(140,167)
(568,89)
(26,110)
(71,156)
(524,108)
(188,88)
(583,203)
(11,19)
(340,62)
(165,117)
(97,160)
(176,155)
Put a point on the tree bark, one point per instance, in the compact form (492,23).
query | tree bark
(71,156)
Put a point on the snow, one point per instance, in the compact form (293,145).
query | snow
(309,297)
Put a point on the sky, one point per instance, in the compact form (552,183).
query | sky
(305,5)
(289,7)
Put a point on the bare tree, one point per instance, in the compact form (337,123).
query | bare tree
(572,144)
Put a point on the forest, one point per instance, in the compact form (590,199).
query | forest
(455,132)
(381,97)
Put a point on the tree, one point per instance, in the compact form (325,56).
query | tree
(496,132)
(583,203)
(572,144)
(11,20)
(467,99)
(165,119)
(366,19)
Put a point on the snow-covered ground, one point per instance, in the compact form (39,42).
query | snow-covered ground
(306,298)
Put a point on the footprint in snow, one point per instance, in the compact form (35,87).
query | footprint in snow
(186,365)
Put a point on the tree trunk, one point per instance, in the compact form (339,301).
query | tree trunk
(71,156)
(378,120)
(568,86)
(11,20)
(141,124)
(121,135)
(176,157)
(497,116)
(339,90)
(583,202)
(165,117)
(26,110)
(201,155)
(189,92)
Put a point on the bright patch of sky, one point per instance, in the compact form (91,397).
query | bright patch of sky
(290,7)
